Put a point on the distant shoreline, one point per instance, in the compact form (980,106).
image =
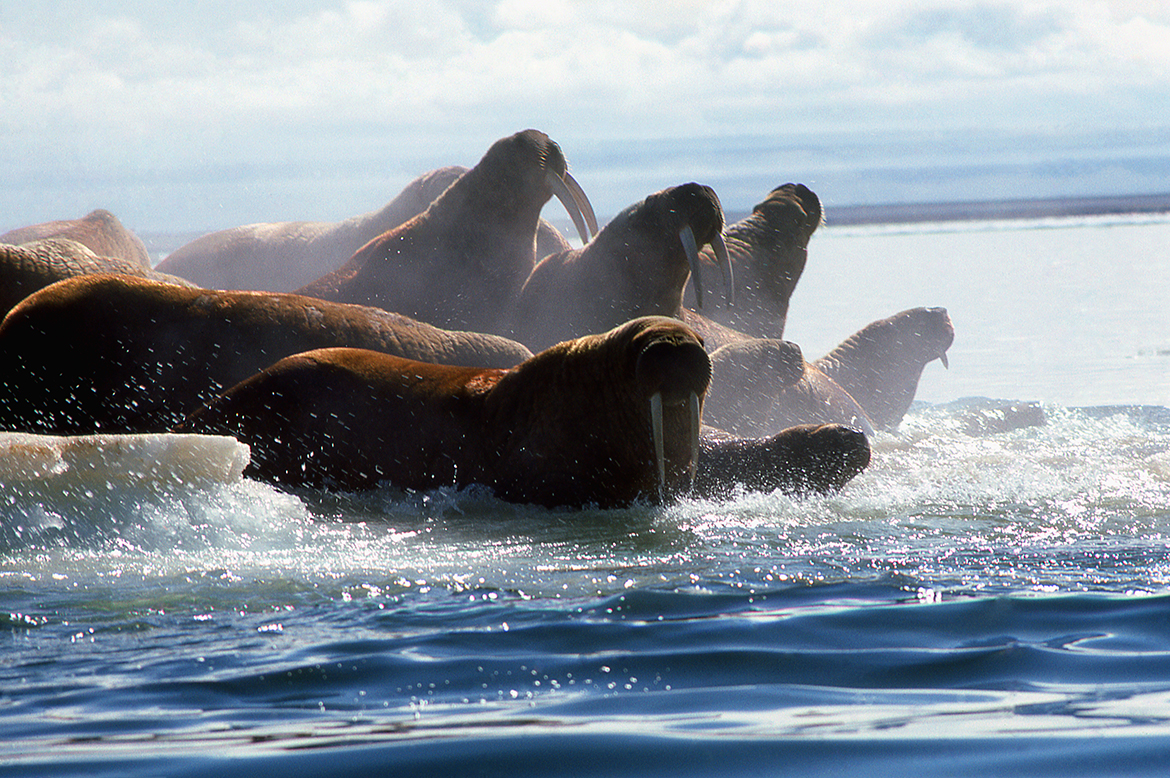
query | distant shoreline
(160,243)
(909,213)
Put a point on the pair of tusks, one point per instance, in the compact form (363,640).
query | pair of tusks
(659,446)
(687,236)
(573,198)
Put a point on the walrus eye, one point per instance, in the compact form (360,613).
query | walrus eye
(573,198)
(687,236)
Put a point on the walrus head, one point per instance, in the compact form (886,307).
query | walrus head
(607,418)
(801,460)
(701,216)
(637,265)
(671,371)
(881,364)
(526,162)
(792,210)
(662,229)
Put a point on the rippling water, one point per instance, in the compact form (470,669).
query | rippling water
(975,603)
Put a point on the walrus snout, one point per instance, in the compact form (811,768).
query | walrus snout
(674,371)
(943,331)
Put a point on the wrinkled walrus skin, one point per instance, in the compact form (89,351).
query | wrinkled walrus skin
(283,256)
(31,266)
(570,427)
(461,263)
(99,231)
(114,353)
(637,265)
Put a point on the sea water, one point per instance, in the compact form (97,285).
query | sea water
(975,603)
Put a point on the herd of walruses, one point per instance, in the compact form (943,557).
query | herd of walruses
(454,337)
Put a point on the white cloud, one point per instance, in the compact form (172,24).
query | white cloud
(146,86)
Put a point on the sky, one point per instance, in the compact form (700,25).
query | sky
(205,115)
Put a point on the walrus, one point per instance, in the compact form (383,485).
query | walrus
(762,386)
(99,231)
(602,420)
(111,353)
(768,251)
(881,364)
(801,460)
(283,256)
(605,419)
(461,263)
(34,265)
(637,265)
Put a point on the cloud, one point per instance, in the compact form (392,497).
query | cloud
(100,91)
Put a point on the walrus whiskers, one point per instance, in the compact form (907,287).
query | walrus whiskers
(575,202)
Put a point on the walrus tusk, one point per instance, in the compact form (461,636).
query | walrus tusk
(659,446)
(721,255)
(565,195)
(582,202)
(659,455)
(943,358)
(687,236)
(693,455)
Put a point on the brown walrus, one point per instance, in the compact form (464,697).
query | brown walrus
(762,386)
(99,231)
(637,265)
(31,266)
(801,460)
(768,251)
(283,256)
(114,353)
(604,419)
(461,263)
(880,365)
